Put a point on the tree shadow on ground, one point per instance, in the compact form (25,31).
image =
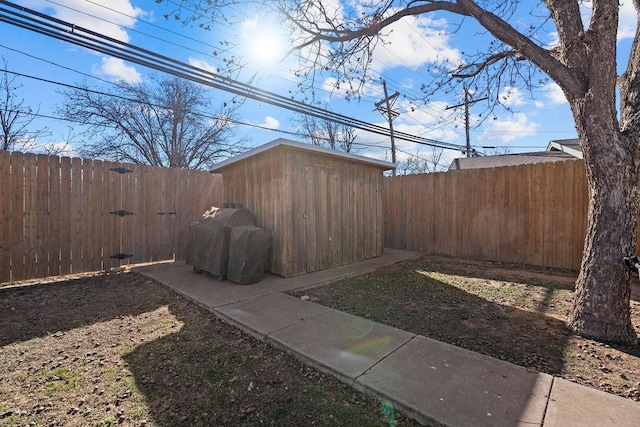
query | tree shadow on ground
(152,353)
(552,280)
(209,373)
(406,299)
(490,270)
(38,310)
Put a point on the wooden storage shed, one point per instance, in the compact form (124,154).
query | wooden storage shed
(322,207)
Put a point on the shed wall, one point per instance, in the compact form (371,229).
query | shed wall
(257,183)
(322,211)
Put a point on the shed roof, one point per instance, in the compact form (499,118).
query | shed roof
(282,142)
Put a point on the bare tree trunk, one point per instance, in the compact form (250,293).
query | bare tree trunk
(601,306)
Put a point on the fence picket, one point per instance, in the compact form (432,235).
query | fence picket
(65,215)
(42,217)
(30,214)
(17,241)
(5,216)
(54,236)
(76,216)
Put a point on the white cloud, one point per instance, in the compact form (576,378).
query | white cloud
(200,63)
(517,126)
(444,133)
(554,41)
(270,123)
(554,94)
(627,21)
(511,97)
(116,69)
(414,41)
(111,20)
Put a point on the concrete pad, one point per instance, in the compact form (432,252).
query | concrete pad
(263,315)
(201,288)
(211,292)
(340,343)
(441,384)
(574,404)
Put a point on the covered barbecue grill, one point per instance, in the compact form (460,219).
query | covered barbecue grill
(209,239)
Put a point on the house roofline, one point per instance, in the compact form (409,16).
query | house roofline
(559,146)
(300,146)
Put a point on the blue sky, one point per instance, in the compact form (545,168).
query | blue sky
(403,62)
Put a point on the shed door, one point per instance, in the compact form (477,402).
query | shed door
(323,218)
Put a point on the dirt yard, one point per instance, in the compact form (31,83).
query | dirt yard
(509,312)
(121,349)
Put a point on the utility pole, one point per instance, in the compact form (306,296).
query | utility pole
(466,116)
(390,115)
(466,121)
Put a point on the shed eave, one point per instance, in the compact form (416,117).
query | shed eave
(282,142)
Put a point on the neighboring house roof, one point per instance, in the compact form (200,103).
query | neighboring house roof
(508,160)
(558,150)
(282,142)
(570,146)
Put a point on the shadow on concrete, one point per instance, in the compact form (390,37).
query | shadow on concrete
(420,304)
(209,373)
(200,371)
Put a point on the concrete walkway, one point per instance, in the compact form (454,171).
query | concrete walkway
(433,382)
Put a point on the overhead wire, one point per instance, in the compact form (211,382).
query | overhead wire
(43,24)
(281,74)
(442,123)
(450,124)
(124,98)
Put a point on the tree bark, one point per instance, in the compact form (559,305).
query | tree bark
(601,308)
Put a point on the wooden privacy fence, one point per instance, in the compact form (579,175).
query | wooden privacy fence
(61,215)
(530,214)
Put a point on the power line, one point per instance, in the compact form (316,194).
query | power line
(43,24)
(217,49)
(283,71)
(124,98)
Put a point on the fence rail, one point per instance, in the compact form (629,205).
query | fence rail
(531,214)
(61,215)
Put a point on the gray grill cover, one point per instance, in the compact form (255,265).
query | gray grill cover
(248,249)
(208,247)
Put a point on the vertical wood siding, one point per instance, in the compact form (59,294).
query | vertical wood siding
(55,214)
(321,211)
